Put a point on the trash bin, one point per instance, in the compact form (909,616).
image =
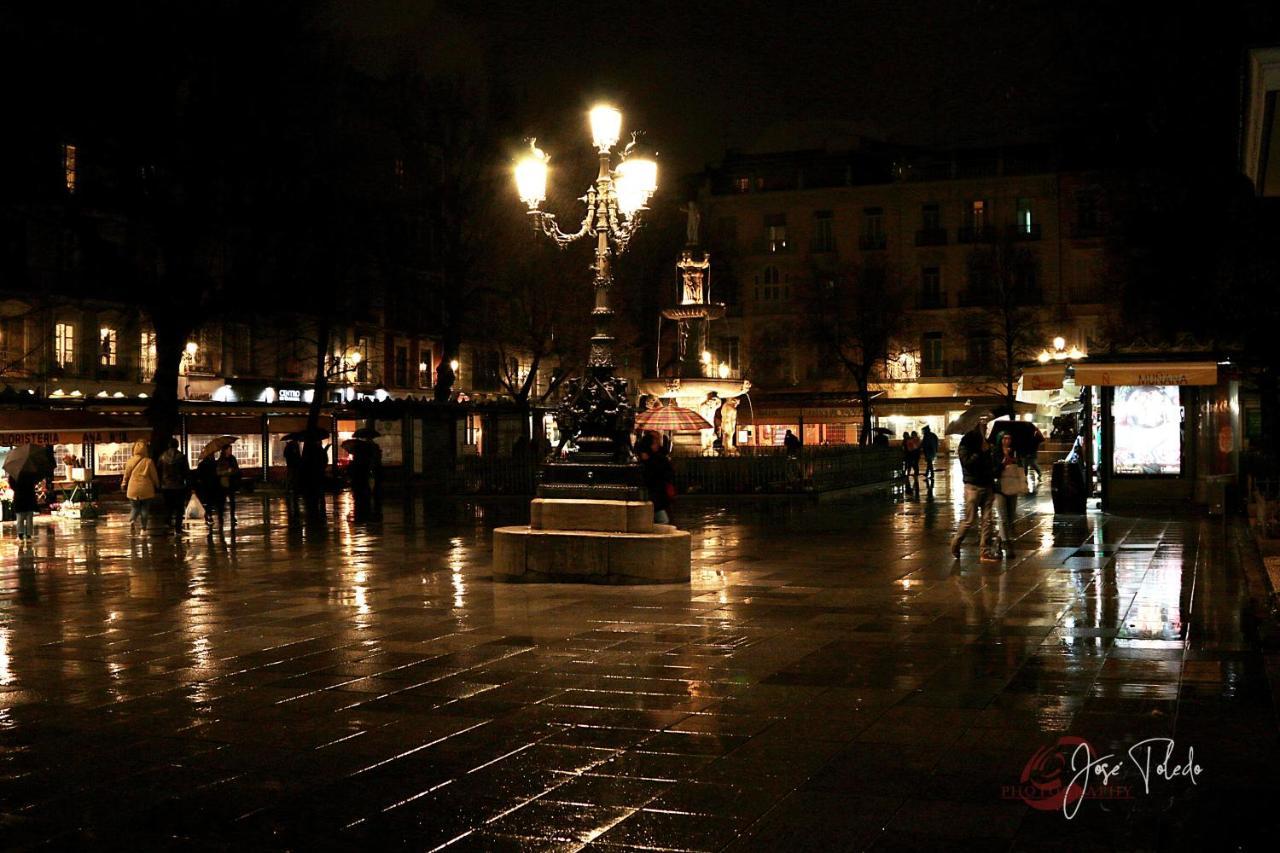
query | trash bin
(1067,487)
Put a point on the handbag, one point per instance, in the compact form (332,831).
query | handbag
(1013,481)
(195,509)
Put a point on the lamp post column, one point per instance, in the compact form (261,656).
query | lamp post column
(600,358)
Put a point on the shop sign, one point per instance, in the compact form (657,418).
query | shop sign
(1147,374)
(289,395)
(102,436)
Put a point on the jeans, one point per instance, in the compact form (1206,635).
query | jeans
(140,511)
(26,524)
(977,499)
(1006,506)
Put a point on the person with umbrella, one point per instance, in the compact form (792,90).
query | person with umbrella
(292,472)
(229,478)
(209,488)
(141,483)
(369,436)
(975,463)
(27,466)
(659,475)
(359,470)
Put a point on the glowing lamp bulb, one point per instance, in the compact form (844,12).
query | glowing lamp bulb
(606,126)
(1043,356)
(531,176)
(723,370)
(1075,353)
(356,357)
(637,180)
(1059,342)
(706,357)
(192,347)
(453,365)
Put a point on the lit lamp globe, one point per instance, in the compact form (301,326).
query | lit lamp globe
(531,177)
(606,126)
(637,180)
(1059,343)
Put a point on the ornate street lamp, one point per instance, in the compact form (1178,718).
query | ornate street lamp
(595,412)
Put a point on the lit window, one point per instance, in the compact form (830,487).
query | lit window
(425,359)
(107,347)
(1024,216)
(775,232)
(69,172)
(147,356)
(977,214)
(64,344)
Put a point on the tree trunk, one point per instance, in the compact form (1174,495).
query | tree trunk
(162,411)
(444,373)
(864,397)
(314,469)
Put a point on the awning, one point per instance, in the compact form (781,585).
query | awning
(66,427)
(1049,376)
(294,423)
(1149,373)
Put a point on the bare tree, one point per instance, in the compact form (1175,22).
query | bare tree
(1002,323)
(857,321)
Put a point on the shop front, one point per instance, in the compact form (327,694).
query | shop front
(1148,432)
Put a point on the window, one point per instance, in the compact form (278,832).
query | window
(486,368)
(931,288)
(401,368)
(742,185)
(1086,211)
(107,347)
(824,239)
(70,170)
(873,228)
(775,232)
(1023,223)
(147,356)
(976,214)
(362,369)
(930,217)
(425,359)
(12,352)
(931,354)
(770,286)
(64,344)
(978,351)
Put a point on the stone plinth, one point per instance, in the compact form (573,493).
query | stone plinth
(601,515)
(591,556)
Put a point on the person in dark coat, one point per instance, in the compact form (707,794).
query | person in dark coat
(24,504)
(359,471)
(210,492)
(174,473)
(791,442)
(975,462)
(659,476)
(928,447)
(292,473)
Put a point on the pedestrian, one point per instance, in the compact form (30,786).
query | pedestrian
(659,476)
(929,448)
(292,473)
(792,443)
(210,492)
(975,464)
(175,472)
(911,460)
(1032,463)
(24,504)
(229,478)
(1010,478)
(359,471)
(140,483)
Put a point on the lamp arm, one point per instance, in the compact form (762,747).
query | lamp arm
(547,221)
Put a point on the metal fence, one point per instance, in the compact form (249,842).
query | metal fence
(758,471)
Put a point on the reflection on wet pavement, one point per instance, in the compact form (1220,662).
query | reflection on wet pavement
(830,678)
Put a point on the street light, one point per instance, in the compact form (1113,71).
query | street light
(1060,352)
(596,412)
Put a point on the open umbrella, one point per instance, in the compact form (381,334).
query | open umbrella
(216,445)
(672,419)
(1026,435)
(29,459)
(367,432)
(882,430)
(969,418)
(355,445)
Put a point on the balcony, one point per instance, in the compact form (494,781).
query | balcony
(931,237)
(932,300)
(1025,232)
(873,242)
(976,234)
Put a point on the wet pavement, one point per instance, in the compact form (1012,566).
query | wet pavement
(830,680)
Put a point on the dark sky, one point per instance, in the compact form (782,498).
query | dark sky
(701,76)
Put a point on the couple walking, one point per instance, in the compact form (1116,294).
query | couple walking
(994,476)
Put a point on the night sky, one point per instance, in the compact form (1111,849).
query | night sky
(701,77)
